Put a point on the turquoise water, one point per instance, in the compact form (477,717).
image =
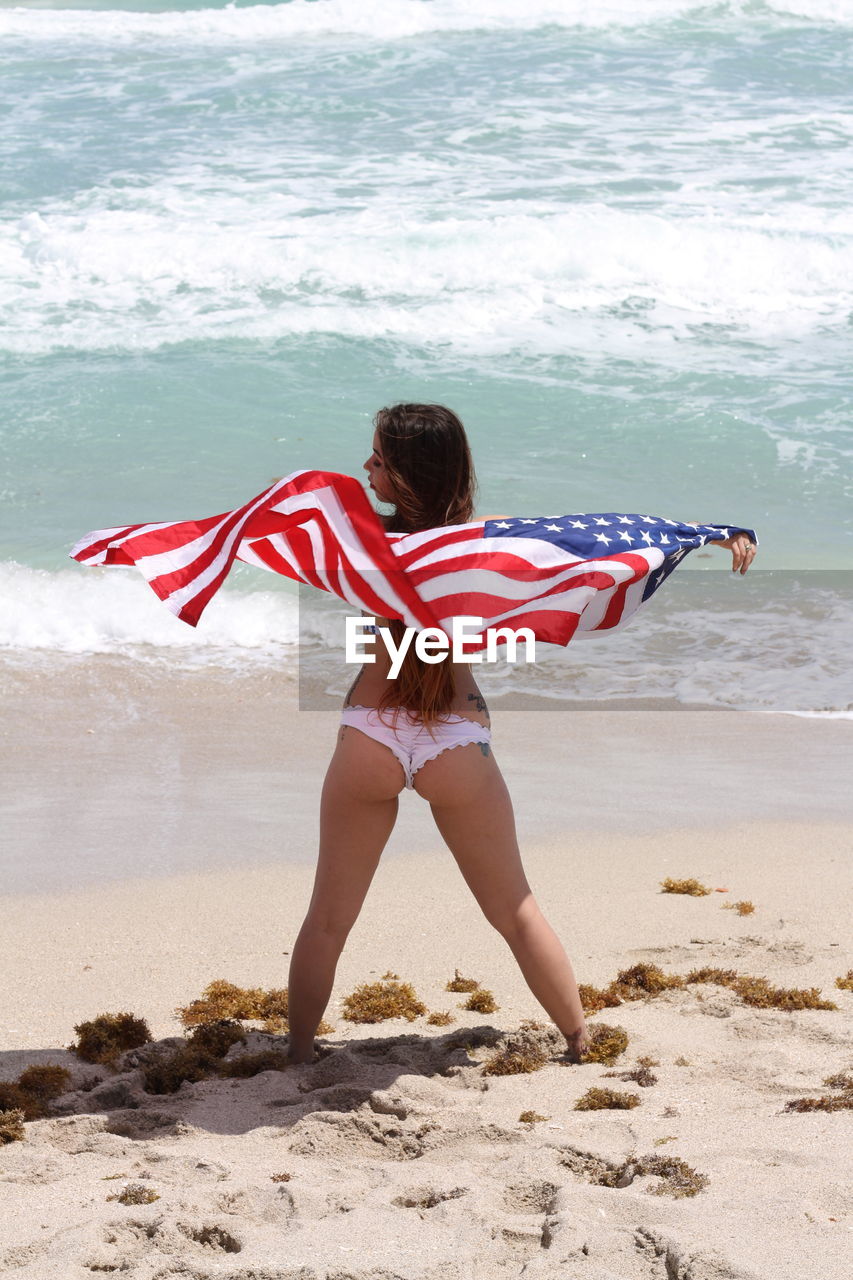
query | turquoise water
(615,237)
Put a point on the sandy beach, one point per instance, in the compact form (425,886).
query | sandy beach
(159,834)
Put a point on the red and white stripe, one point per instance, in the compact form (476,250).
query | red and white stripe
(319,528)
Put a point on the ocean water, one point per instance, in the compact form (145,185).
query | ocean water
(616,237)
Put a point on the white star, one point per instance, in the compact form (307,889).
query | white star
(646,537)
(664,538)
(530,522)
(502,524)
(659,579)
(577,524)
(625,520)
(600,520)
(602,537)
(626,537)
(672,522)
(554,528)
(648,519)
(678,555)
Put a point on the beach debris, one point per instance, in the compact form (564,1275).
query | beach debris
(642,1074)
(691,887)
(481,1001)
(515,1059)
(106,1037)
(525,1050)
(189,1063)
(761,995)
(390,974)
(594,999)
(280,1177)
(643,981)
(531,1118)
(135,1193)
(841,1099)
(661,1142)
(33,1090)
(606,1043)
(252,1064)
(597,1099)
(440,1018)
(677,1178)
(216,1038)
(742,908)
(11,1125)
(458,983)
(681,1061)
(223,1000)
(845,983)
(377,1001)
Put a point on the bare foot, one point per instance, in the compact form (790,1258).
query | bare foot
(577,1044)
(295,1058)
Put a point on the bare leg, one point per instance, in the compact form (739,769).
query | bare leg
(473,811)
(358,810)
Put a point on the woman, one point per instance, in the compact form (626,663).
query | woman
(428,730)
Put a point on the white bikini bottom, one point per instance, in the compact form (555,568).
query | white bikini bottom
(412,743)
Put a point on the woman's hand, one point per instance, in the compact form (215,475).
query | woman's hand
(742,548)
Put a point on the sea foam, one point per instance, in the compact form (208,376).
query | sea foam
(379,20)
(139,278)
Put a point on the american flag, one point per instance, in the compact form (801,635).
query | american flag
(553,574)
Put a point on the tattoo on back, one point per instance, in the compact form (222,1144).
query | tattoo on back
(484,747)
(479,700)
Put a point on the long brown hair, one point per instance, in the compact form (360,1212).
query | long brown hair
(428,462)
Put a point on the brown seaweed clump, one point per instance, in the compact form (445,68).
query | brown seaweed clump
(481,1001)
(643,980)
(742,908)
(594,999)
(759,993)
(641,1074)
(607,1100)
(514,1059)
(606,1043)
(376,1001)
(34,1090)
(531,1118)
(216,1038)
(11,1124)
(223,1000)
(107,1036)
(251,1064)
(845,983)
(135,1193)
(840,1100)
(189,1063)
(691,887)
(440,1018)
(678,1179)
(458,983)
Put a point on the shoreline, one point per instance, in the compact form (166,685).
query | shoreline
(113,772)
